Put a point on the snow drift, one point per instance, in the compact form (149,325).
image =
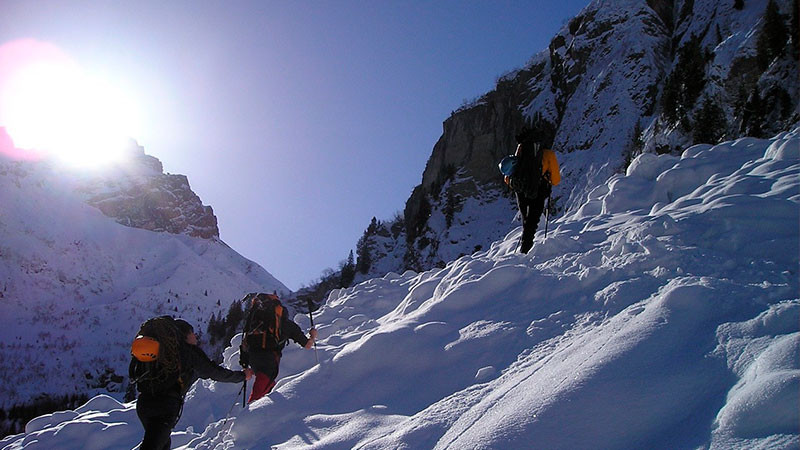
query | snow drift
(663,313)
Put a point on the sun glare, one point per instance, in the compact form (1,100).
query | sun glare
(50,104)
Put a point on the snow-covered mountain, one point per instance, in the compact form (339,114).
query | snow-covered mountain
(622,78)
(663,312)
(676,275)
(75,282)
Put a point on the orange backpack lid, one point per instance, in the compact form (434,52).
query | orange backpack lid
(145,349)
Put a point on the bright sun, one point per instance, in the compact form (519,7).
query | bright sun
(50,104)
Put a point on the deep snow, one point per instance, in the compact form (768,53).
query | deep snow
(663,313)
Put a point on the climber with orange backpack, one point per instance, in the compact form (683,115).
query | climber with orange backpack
(531,173)
(165,362)
(266,332)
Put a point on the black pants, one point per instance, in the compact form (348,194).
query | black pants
(158,415)
(531,211)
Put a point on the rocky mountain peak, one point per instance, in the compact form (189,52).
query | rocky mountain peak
(141,195)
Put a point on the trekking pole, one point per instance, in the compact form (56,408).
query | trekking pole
(311,317)
(547,216)
(228,416)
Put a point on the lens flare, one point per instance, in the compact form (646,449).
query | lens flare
(48,103)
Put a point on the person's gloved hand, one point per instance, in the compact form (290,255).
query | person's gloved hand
(310,343)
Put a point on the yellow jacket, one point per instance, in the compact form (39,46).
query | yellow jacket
(549,166)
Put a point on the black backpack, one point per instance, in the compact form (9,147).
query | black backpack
(262,329)
(156,364)
(527,176)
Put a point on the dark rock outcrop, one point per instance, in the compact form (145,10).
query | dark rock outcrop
(142,196)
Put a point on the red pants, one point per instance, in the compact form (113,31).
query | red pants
(261,387)
(265,363)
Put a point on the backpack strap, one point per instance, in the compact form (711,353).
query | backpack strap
(278,321)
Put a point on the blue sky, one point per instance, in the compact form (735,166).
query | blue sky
(296,121)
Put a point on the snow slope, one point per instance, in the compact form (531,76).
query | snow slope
(663,313)
(75,285)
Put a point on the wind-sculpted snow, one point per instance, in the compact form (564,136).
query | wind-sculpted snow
(663,313)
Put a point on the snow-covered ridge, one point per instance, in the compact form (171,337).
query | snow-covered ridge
(662,313)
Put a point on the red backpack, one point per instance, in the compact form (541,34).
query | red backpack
(262,330)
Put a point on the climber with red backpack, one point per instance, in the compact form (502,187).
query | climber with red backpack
(531,173)
(266,332)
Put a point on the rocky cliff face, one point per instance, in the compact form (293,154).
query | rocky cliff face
(621,78)
(472,142)
(142,196)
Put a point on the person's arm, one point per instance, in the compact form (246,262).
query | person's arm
(293,331)
(206,368)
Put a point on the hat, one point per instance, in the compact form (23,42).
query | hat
(184,326)
(526,135)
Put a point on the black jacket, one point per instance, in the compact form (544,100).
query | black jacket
(291,330)
(194,364)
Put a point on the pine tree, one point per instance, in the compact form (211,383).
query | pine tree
(685,84)
(450,206)
(693,72)
(347,273)
(753,116)
(421,219)
(773,37)
(670,97)
(411,260)
(635,146)
(364,261)
(373,226)
(213,329)
(710,124)
(234,318)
